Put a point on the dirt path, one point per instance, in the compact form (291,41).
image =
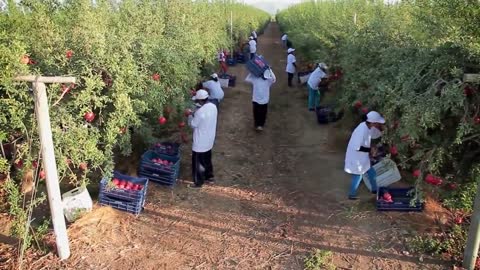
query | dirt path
(279,195)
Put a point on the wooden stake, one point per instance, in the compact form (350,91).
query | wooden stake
(48,160)
(473,239)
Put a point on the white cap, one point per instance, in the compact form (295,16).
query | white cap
(214,75)
(322,65)
(250,37)
(375,117)
(200,95)
(290,50)
(268,74)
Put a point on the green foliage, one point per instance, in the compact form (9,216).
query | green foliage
(319,260)
(113,48)
(450,244)
(21,223)
(116,48)
(462,198)
(393,58)
(407,61)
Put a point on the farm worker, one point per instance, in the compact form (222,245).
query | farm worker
(357,160)
(222,59)
(215,89)
(204,123)
(254,35)
(291,65)
(313,86)
(261,96)
(253,47)
(284,40)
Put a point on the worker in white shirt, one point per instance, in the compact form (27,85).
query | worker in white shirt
(313,85)
(284,40)
(261,96)
(215,90)
(222,59)
(254,35)
(204,124)
(357,158)
(253,47)
(291,65)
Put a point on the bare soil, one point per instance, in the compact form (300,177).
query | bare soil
(279,195)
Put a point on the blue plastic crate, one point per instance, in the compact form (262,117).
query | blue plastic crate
(123,194)
(132,207)
(149,155)
(163,174)
(160,178)
(167,148)
(163,179)
(401,200)
(168,170)
(257,65)
(231,61)
(240,58)
(325,114)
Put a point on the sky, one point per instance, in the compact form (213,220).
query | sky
(271,5)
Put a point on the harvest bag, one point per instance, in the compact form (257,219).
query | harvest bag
(257,66)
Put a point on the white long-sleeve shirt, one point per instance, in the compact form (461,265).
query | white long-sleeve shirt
(204,124)
(315,78)
(253,46)
(357,162)
(291,60)
(261,88)
(215,89)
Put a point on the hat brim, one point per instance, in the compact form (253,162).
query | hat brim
(381,120)
(195,98)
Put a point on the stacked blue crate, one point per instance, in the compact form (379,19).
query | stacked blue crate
(257,66)
(403,199)
(241,58)
(160,173)
(123,199)
(167,148)
(231,61)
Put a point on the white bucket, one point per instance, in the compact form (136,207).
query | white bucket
(76,202)
(387,174)
(304,78)
(224,82)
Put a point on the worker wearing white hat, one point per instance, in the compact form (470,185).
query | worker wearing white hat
(254,35)
(357,160)
(261,96)
(291,65)
(204,124)
(284,40)
(215,90)
(319,74)
(252,44)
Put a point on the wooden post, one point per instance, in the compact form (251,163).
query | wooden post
(48,160)
(473,239)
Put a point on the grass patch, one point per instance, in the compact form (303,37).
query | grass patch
(319,260)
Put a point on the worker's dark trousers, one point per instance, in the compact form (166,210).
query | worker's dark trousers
(202,168)
(290,78)
(259,114)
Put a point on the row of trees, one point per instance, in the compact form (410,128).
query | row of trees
(135,61)
(406,60)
